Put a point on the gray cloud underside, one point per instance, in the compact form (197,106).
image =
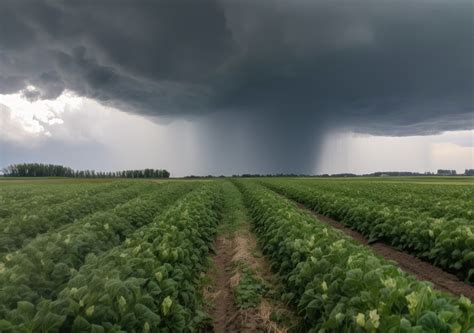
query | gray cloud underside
(359,62)
(290,69)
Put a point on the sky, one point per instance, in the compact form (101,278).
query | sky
(238,86)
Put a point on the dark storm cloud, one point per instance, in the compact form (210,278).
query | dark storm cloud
(11,84)
(398,67)
(359,63)
(152,57)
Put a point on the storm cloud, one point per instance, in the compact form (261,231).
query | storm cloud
(284,72)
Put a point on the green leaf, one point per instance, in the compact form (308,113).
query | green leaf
(52,322)
(431,323)
(166,305)
(26,309)
(97,329)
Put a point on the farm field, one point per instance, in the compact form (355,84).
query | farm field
(434,222)
(237,255)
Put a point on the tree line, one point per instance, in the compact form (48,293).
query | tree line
(469,172)
(53,170)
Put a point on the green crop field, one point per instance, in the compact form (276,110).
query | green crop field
(157,256)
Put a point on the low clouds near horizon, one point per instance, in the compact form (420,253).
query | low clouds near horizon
(284,73)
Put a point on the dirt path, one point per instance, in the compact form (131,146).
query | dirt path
(220,291)
(231,252)
(242,291)
(423,270)
(256,319)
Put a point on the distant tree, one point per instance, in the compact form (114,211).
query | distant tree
(52,170)
(442,172)
(37,170)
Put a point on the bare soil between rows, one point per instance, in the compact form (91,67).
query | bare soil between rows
(226,317)
(222,296)
(256,319)
(423,270)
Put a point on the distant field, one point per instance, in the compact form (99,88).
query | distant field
(297,254)
(455,180)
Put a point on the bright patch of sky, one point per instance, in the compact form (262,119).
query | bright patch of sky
(33,118)
(81,133)
(356,153)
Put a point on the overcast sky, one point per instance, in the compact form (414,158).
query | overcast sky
(233,86)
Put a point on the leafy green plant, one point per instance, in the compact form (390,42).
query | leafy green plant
(341,286)
(41,268)
(442,233)
(23,227)
(250,289)
(147,284)
(18,200)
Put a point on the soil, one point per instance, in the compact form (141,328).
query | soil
(423,270)
(258,319)
(239,247)
(221,293)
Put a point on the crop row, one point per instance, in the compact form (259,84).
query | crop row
(14,192)
(341,286)
(438,201)
(147,284)
(18,230)
(449,244)
(46,197)
(40,269)
(22,199)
